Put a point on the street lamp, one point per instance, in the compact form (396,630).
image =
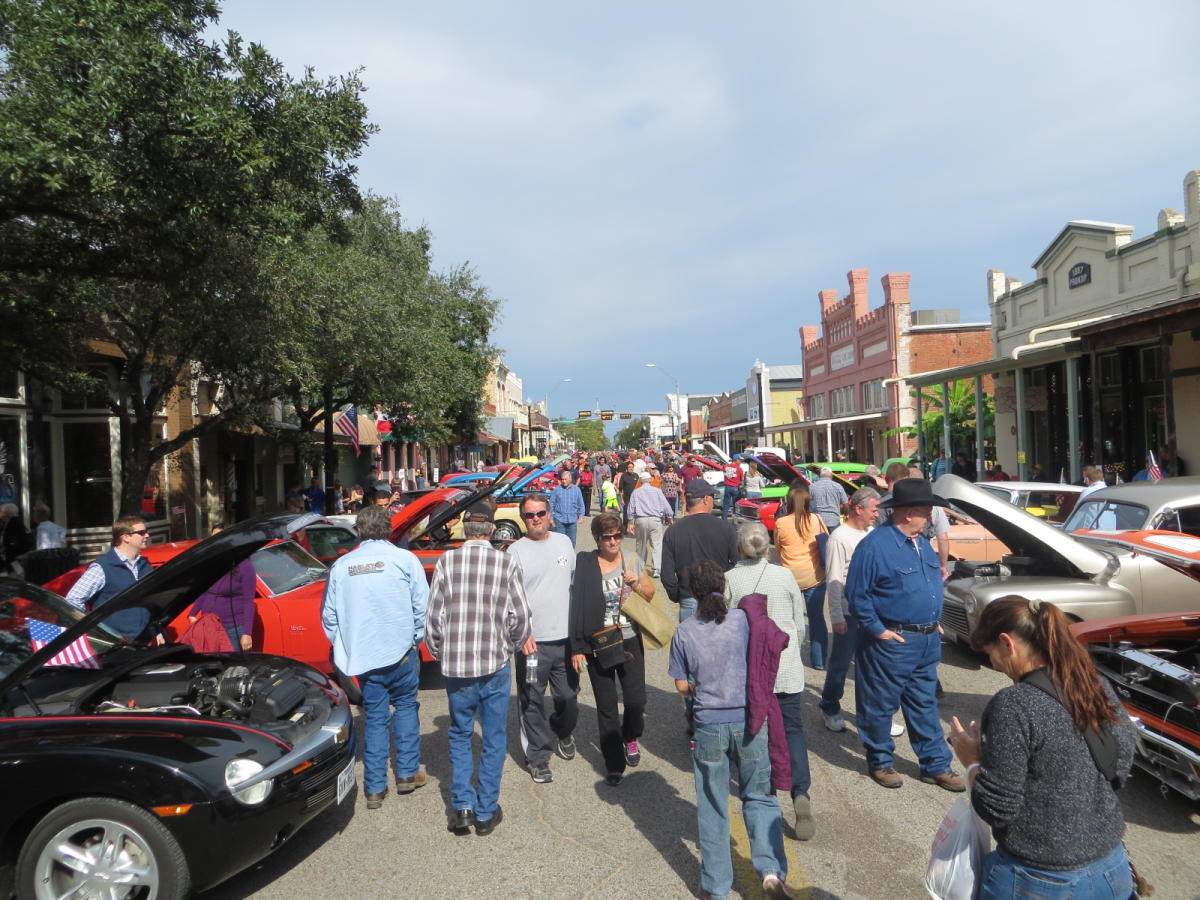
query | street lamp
(674,401)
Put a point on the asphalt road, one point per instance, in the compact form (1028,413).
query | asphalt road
(577,837)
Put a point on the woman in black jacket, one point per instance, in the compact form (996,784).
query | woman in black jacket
(601,584)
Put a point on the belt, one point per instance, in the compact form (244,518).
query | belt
(928,628)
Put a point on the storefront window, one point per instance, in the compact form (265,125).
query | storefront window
(9,384)
(87,465)
(10,461)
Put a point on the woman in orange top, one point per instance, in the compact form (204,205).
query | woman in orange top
(796,539)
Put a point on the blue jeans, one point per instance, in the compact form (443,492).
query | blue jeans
(728,498)
(487,698)
(818,631)
(567,528)
(837,666)
(892,675)
(793,727)
(715,747)
(1004,876)
(394,686)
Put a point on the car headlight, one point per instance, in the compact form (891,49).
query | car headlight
(239,771)
(970,603)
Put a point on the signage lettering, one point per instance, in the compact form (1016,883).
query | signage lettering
(1079,274)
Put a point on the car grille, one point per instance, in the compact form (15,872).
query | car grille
(320,782)
(747,511)
(954,617)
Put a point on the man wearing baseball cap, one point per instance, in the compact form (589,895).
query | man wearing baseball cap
(698,535)
(895,591)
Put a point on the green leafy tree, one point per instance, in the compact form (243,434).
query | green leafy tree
(588,434)
(633,434)
(145,174)
(962,418)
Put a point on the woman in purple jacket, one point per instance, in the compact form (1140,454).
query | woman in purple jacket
(231,599)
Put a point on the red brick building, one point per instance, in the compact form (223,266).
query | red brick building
(856,361)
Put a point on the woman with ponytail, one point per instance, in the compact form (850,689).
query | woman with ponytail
(798,540)
(1045,764)
(708,663)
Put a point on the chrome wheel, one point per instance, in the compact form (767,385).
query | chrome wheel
(97,858)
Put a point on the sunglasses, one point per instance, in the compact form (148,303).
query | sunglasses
(611,537)
(141,533)
(535,515)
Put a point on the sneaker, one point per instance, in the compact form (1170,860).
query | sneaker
(897,729)
(805,828)
(774,887)
(541,774)
(565,748)
(633,755)
(888,777)
(612,779)
(947,781)
(834,722)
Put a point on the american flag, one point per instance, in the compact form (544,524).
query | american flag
(1153,470)
(78,654)
(347,424)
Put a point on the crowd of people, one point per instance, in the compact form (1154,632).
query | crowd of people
(546,614)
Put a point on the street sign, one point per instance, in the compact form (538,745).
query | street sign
(585,414)
(564,421)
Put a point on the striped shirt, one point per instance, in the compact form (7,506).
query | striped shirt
(478,616)
(785,606)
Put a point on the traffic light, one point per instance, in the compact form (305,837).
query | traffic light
(585,414)
(606,414)
(626,415)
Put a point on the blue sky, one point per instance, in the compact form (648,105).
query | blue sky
(674,181)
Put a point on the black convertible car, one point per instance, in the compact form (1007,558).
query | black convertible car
(130,769)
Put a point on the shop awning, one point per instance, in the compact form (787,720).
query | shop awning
(830,423)
(500,426)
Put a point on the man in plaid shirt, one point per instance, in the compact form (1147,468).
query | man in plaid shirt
(478,617)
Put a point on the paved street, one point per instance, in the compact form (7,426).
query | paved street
(577,837)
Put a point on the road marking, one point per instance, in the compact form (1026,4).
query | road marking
(743,869)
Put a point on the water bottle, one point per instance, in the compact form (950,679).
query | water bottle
(531,662)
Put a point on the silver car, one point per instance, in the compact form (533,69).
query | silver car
(1088,578)
(1052,502)
(1172,504)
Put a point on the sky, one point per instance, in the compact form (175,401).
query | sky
(674,181)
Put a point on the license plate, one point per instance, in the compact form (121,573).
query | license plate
(345,782)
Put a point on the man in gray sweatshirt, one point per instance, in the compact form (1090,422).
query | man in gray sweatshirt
(547,562)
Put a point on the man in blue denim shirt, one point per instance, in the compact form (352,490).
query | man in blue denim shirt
(374,616)
(895,591)
(566,506)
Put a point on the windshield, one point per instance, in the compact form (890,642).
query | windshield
(1107,515)
(286,566)
(31,617)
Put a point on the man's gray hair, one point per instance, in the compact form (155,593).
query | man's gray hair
(826,472)
(753,542)
(863,496)
(872,470)
(374,523)
(477,529)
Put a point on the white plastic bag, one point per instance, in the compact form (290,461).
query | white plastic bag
(956,858)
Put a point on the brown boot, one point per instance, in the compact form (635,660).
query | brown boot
(887,777)
(947,781)
(410,784)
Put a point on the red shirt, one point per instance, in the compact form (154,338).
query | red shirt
(690,471)
(733,474)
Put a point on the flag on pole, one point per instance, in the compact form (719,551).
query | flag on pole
(1153,470)
(78,654)
(347,424)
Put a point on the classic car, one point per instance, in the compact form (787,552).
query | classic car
(1088,577)
(1052,502)
(1171,504)
(131,769)
(771,504)
(1152,663)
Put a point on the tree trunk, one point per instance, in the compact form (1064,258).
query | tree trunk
(135,461)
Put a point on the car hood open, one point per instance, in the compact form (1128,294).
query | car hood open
(1024,534)
(443,504)
(1180,552)
(779,469)
(169,589)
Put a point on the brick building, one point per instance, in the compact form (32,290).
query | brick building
(857,361)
